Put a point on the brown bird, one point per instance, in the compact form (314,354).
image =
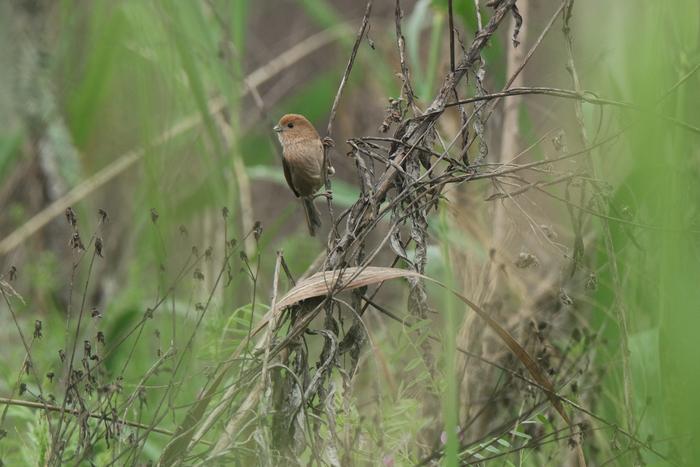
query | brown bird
(302,152)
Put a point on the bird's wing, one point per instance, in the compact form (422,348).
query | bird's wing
(288,176)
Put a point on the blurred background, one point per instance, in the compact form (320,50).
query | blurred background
(152,122)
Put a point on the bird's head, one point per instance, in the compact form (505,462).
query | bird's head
(294,127)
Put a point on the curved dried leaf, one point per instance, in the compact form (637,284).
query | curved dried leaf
(323,282)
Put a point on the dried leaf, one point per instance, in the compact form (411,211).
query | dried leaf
(518,24)
(323,282)
(6,288)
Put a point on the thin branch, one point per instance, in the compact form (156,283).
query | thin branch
(581,95)
(348,68)
(328,140)
(406,89)
(79,413)
(452,36)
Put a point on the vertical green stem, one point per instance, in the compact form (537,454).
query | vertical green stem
(450,402)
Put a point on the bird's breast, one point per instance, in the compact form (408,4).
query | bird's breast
(305,160)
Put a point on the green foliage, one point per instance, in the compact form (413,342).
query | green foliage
(451,406)
(658,267)
(107,28)
(9,151)
(322,12)
(37,442)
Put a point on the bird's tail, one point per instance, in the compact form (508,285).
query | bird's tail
(313,218)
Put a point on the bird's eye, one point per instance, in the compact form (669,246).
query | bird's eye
(290,125)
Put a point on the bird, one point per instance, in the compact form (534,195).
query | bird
(302,160)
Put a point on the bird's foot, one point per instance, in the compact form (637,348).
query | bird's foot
(326,194)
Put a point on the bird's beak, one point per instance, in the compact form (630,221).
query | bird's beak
(277,128)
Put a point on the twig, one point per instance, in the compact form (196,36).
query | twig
(452,36)
(348,68)
(510,135)
(534,47)
(406,88)
(70,385)
(328,141)
(582,95)
(76,412)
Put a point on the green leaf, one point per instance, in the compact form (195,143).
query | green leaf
(520,434)
(503,442)
(9,151)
